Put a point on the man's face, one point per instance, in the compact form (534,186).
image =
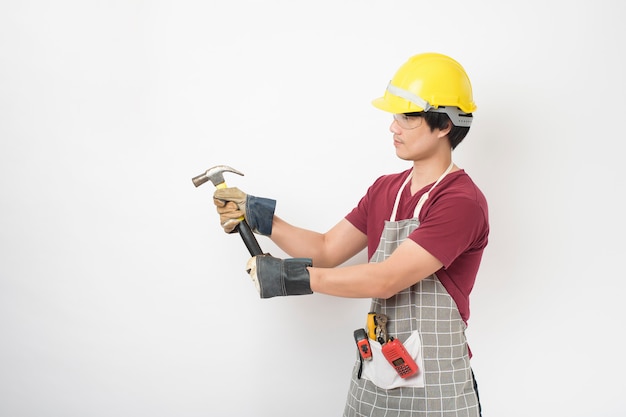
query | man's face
(413,138)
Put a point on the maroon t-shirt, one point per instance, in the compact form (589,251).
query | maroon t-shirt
(454,226)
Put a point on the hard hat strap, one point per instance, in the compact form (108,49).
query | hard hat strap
(457,117)
(407,95)
(455,114)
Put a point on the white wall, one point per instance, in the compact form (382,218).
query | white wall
(121,296)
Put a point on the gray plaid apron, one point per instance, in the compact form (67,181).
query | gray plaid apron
(446,386)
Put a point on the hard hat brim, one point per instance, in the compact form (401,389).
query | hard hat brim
(395,105)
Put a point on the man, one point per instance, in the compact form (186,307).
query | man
(425,230)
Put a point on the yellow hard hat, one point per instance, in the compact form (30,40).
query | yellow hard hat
(430,82)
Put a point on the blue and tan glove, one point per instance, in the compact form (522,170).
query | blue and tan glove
(274,277)
(233,204)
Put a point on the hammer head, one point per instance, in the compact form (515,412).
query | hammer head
(215,175)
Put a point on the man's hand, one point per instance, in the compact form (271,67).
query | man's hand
(233,204)
(279,277)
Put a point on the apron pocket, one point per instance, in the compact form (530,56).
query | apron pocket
(383,375)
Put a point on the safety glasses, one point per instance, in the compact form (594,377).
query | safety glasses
(408,121)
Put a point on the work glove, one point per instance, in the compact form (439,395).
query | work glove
(233,205)
(278,277)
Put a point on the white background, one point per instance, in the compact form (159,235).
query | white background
(121,296)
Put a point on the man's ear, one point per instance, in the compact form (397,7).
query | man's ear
(444,132)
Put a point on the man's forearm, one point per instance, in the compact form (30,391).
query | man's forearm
(327,250)
(298,242)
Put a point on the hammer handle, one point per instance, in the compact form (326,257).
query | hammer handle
(249,239)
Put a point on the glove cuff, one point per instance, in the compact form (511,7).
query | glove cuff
(291,276)
(260,214)
(297,278)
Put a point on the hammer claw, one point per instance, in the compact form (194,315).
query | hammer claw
(216,176)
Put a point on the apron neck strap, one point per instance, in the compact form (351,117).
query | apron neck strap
(424,196)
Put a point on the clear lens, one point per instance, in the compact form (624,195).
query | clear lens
(408,122)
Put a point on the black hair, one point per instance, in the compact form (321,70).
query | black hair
(441,121)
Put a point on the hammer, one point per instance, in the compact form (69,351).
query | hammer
(216,176)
